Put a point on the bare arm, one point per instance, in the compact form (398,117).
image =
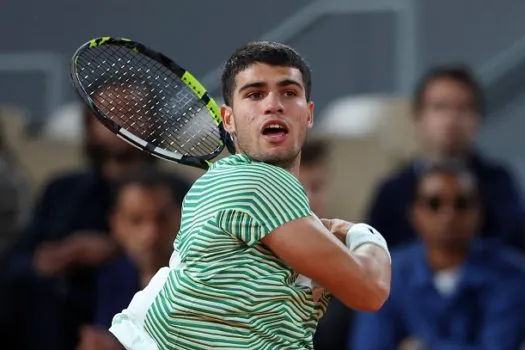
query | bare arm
(361,280)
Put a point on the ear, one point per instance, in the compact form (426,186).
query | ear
(227,119)
(310,119)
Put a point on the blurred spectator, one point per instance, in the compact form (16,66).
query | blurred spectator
(14,208)
(144,220)
(332,331)
(452,289)
(313,174)
(52,271)
(448,107)
(14,195)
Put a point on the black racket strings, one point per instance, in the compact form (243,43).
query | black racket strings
(147,99)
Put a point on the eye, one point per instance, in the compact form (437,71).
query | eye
(290,93)
(256,95)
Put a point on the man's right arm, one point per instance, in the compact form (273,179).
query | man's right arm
(360,279)
(271,202)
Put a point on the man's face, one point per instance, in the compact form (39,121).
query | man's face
(448,120)
(145,222)
(446,211)
(270,115)
(314,178)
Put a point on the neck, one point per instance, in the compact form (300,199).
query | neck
(294,168)
(145,276)
(443,259)
(147,269)
(435,156)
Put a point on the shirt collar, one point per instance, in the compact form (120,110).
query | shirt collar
(473,272)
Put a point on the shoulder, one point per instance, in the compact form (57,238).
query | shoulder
(506,261)
(69,181)
(404,257)
(117,272)
(490,167)
(402,178)
(409,268)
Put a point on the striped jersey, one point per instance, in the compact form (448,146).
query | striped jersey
(232,292)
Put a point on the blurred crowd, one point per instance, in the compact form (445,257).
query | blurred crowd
(454,220)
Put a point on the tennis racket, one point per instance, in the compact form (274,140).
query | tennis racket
(149,101)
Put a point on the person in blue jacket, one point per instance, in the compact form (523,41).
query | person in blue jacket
(452,288)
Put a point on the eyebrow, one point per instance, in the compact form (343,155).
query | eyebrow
(260,84)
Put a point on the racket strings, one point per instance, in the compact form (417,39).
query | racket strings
(146,98)
(184,99)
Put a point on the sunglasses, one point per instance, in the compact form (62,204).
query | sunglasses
(459,203)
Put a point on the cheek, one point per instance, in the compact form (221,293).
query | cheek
(245,122)
(471,220)
(126,240)
(433,123)
(421,220)
(468,125)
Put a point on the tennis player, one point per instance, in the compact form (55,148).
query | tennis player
(247,231)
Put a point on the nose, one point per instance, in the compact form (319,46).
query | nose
(447,214)
(273,104)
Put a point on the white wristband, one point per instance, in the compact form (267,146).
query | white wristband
(360,234)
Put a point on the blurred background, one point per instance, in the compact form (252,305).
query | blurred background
(406,92)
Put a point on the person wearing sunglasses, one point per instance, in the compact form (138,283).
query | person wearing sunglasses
(452,289)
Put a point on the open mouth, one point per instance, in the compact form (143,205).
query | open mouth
(274,129)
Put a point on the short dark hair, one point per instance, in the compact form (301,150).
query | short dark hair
(268,52)
(150,177)
(450,167)
(459,73)
(314,151)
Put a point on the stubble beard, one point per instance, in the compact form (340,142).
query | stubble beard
(285,161)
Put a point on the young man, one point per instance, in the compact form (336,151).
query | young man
(247,231)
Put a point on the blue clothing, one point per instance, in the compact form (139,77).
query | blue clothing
(486,311)
(117,284)
(504,211)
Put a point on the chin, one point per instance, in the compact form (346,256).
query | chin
(274,157)
(281,160)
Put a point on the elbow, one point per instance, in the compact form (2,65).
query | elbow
(370,299)
(378,297)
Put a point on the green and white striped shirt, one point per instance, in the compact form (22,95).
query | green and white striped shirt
(232,292)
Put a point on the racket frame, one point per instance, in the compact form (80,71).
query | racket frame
(203,162)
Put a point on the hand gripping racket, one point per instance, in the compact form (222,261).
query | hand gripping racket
(149,101)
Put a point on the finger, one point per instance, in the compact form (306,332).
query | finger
(327,223)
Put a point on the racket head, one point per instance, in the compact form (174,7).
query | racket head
(149,101)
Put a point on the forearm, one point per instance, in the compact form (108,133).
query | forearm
(312,251)
(375,264)
(370,267)
(369,251)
